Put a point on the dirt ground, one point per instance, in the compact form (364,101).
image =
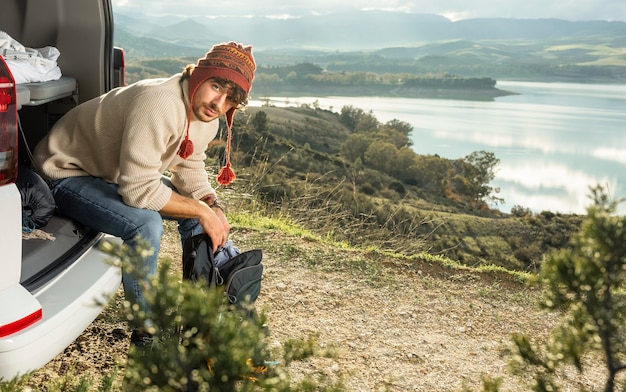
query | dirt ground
(424,328)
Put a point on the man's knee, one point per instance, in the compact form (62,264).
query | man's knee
(147,225)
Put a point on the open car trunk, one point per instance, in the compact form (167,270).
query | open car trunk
(44,259)
(55,280)
(82,31)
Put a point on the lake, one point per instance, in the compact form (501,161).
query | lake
(554,140)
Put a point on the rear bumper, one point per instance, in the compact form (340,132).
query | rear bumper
(70,303)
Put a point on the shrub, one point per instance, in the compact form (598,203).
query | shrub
(585,281)
(521,212)
(398,187)
(368,189)
(201,342)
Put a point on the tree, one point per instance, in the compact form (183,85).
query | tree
(355,146)
(400,126)
(430,172)
(393,136)
(381,156)
(587,283)
(358,120)
(405,159)
(478,174)
(350,115)
(367,123)
(259,121)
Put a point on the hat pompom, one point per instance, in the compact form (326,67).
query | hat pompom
(226,175)
(186,149)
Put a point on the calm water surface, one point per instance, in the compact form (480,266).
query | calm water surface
(554,140)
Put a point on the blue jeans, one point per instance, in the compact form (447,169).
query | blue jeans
(95,203)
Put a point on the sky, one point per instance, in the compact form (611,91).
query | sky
(611,10)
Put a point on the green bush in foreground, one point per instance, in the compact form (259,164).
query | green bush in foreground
(586,282)
(201,342)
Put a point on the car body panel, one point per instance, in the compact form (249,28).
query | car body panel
(51,288)
(70,303)
(10,238)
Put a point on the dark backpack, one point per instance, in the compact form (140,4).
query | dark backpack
(240,276)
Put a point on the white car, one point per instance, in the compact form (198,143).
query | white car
(53,286)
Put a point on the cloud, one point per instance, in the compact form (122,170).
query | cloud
(610,154)
(549,186)
(453,9)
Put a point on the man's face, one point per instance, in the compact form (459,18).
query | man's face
(211,101)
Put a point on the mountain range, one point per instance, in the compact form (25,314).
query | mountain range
(363,40)
(363,30)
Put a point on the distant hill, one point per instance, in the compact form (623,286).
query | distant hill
(392,42)
(363,30)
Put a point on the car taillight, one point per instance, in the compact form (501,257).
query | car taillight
(18,325)
(8,125)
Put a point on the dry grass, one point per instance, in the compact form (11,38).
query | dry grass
(378,323)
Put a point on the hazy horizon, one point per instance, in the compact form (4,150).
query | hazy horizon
(574,10)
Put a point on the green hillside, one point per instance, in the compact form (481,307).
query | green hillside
(345,175)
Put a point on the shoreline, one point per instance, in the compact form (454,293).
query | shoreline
(437,93)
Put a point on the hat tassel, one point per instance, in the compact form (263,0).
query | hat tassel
(186,149)
(226,174)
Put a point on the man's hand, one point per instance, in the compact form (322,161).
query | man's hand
(214,223)
(222,217)
(212,220)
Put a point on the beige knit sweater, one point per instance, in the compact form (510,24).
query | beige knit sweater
(130,136)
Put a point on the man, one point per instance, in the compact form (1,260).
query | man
(105,159)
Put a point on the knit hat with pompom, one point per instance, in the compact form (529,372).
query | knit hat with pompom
(231,61)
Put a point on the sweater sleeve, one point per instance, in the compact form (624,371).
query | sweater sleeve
(152,129)
(190,177)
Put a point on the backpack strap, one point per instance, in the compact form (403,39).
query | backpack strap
(198,260)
